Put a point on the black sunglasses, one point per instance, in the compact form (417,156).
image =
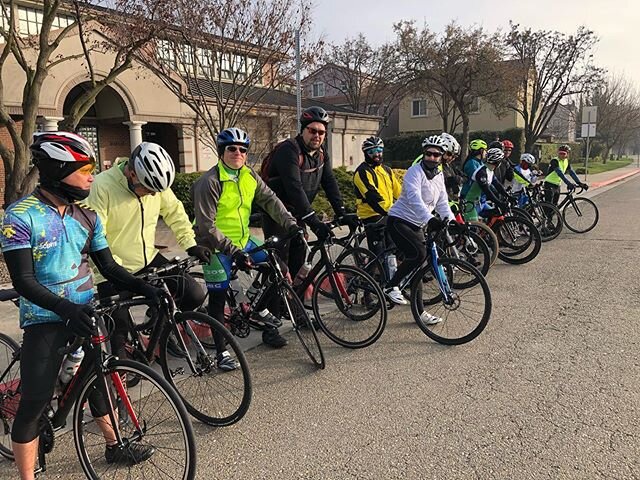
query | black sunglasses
(431,153)
(233,148)
(315,131)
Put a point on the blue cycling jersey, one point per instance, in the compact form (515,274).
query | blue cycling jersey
(60,247)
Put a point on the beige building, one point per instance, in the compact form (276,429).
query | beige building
(417,113)
(138,107)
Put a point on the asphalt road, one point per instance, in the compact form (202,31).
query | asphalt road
(549,390)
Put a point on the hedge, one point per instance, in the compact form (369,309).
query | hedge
(401,150)
(182,188)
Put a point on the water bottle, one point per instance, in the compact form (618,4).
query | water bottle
(302,274)
(392,265)
(70,366)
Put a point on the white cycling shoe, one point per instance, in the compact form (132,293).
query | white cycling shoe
(395,295)
(429,319)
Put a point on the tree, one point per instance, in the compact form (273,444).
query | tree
(618,102)
(230,57)
(548,68)
(37,54)
(459,66)
(368,77)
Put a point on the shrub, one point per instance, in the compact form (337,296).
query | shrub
(182,189)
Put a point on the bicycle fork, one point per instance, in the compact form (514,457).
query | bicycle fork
(441,277)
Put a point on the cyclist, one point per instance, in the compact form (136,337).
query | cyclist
(557,168)
(295,170)
(222,200)
(423,191)
(130,198)
(453,177)
(46,240)
(481,184)
(523,176)
(376,188)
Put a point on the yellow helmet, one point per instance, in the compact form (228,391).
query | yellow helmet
(477,144)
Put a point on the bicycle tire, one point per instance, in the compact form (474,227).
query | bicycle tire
(357,327)
(217,398)
(364,259)
(294,309)
(522,254)
(480,253)
(547,219)
(571,214)
(477,293)
(9,392)
(174,431)
(489,237)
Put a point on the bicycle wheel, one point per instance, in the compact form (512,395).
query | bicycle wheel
(519,239)
(350,306)
(580,215)
(488,236)
(464,316)
(293,309)
(163,421)
(9,391)
(364,259)
(547,219)
(473,249)
(213,396)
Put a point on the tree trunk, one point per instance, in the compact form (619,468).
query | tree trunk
(605,154)
(465,136)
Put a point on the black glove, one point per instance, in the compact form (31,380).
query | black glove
(242,260)
(512,201)
(585,186)
(155,294)
(350,220)
(455,227)
(321,229)
(294,228)
(570,187)
(435,224)
(201,253)
(78,318)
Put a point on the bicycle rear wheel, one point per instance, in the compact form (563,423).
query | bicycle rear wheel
(473,249)
(302,325)
(349,306)
(580,215)
(464,316)
(164,426)
(9,391)
(520,240)
(213,396)
(547,219)
(488,236)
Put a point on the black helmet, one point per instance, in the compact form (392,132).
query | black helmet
(564,148)
(314,114)
(496,144)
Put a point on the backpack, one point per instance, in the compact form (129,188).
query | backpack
(266,163)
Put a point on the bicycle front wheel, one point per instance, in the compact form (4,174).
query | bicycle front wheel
(547,219)
(9,391)
(580,215)
(458,319)
(302,325)
(214,396)
(520,240)
(349,306)
(488,236)
(151,418)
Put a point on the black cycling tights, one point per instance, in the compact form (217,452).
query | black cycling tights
(39,366)
(409,240)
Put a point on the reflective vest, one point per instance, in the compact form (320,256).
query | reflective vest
(553,176)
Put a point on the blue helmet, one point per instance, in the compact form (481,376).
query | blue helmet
(232,136)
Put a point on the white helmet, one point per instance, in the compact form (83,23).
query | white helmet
(434,141)
(494,155)
(451,144)
(153,166)
(527,157)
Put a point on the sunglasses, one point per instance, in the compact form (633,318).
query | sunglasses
(315,131)
(431,153)
(234,148)
(88,169)
(373,151)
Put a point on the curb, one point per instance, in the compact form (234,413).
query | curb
(604,183)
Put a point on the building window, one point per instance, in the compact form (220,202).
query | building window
(187,60)
(30,21)
(419,108)
(475,105)
(373,109)
(90,133)
(166,53)
(205,63)
(318,90)
(225,66)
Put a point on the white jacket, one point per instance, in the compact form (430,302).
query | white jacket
(421,196)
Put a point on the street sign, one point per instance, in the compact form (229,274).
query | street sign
(589,114)
(588,130)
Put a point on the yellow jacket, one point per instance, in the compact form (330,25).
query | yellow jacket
(376,188)
(130,222)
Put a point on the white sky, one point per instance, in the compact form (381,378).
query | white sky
(616,22)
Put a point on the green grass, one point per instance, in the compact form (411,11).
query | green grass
(599,167)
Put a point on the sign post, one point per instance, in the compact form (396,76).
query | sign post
(589,118)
